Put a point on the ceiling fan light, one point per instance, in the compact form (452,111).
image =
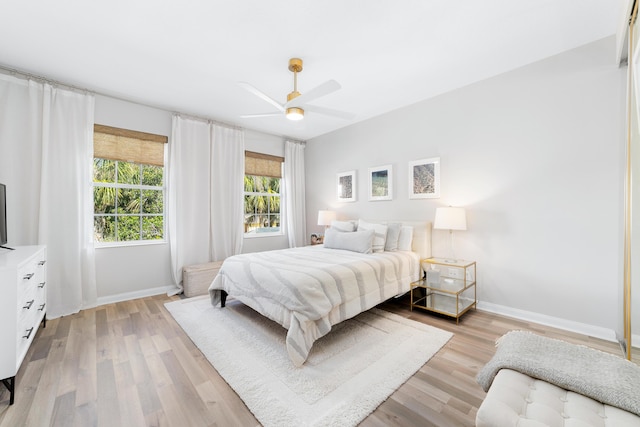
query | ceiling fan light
(295,113)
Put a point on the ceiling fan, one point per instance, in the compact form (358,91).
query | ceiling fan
(297,103)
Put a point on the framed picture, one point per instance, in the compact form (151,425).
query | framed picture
(381,183)
(346,186)
(424,178)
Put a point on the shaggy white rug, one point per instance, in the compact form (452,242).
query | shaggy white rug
(348,374)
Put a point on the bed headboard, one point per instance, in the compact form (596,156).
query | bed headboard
(421,235)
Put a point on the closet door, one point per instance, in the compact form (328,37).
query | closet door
(631,289)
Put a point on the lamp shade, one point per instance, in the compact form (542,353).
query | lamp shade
(450,219)
(325,217)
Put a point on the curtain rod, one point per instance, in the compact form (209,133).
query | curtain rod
(217,122)
(207,120)
(56,83)
(30,76)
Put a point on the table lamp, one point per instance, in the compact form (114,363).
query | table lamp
(450,219)
(325,218)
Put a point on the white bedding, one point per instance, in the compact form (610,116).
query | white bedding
(309,289)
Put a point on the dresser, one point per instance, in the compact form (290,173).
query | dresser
(23,306)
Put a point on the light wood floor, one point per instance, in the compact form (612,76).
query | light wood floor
(130,364)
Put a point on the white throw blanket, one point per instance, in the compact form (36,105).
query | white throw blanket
(309,289)
(601,376)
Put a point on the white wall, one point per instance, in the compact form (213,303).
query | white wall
(132,271)
(535,156)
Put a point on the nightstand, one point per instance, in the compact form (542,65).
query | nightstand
(449,287)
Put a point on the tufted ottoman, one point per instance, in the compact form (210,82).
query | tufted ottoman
(515,399)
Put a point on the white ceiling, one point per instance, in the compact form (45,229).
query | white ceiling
(188,55)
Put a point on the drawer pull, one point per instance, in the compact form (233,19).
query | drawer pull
(41,285)
(28,333)
(42,262)
(29,304)
(28,276)
(42,307)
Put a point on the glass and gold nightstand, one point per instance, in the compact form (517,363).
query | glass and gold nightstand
(449,287)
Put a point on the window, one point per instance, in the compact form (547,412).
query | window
(263,174)
(128,185)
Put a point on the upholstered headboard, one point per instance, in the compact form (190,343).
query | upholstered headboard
(421,235)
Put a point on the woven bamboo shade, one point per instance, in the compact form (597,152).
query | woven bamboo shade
(128,145)
(262,164)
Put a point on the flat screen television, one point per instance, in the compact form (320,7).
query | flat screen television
(3,214)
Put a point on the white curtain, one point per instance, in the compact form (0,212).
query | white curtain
(294,193)
(205,193)
(188,194)
(227,192)
(46,147)
(21,156)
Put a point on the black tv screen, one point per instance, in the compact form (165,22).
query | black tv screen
(3,214)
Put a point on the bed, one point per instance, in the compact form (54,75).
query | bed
(309,289)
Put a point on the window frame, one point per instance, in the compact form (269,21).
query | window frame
(128,186)
(252,234)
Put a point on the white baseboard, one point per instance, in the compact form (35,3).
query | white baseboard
(543,319)
(134,295)
(528,316)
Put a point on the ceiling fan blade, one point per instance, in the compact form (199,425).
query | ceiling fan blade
(325,88)
(251,116)
(261,95)
(329,112)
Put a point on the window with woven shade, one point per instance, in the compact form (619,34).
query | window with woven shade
(263,173)
(128,185)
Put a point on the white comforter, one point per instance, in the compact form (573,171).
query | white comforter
(309,289)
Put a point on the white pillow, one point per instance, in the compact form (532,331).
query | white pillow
(393,234)
(343,225)
(380,236)
(406,238)
(357,241)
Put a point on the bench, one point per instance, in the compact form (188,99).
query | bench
(197,278)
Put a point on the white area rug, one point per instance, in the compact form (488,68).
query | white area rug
(348,374)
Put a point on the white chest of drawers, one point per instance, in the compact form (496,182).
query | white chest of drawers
(23,306)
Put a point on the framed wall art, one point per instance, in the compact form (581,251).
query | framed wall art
(424,178)
(381,183)
(346,186)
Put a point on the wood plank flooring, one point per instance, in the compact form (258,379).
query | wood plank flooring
(130,364)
